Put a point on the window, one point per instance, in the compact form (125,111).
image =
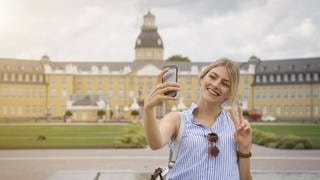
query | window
(308,77)
(5,77)
(315,92)
(293,110)
(293,77)
(271,78)
(53,79)
(270,109)
(100,80)
(300,92)
(40,78)
(189,93)
(100,91)
(264,78)
(246,93)
(13,92)
(257,93)
(315,77)
(278,92)
(300,110)
(13,77)
(257,79)
(308,109)
(64,93)
(110,93)
(293,92)
(246,79)
(84,116)
(27,93)
(264,110)
(263,92)
(53,93)
(5,110)
(63,79)
(278,78)
(34,78)
(13,110)
(20,78)
(271,92)
(285,92)
(19,110)
(285,109)
(27,78)
(285,78)
(300,77)
(308,92)
(278,110)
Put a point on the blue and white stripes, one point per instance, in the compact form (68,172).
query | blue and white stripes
(194,162)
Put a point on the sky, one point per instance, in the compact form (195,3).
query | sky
(202,30)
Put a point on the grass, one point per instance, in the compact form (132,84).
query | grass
(61,136)
(311,131)
(107,136)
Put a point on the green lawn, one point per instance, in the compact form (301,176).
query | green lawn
(310,131)
(61,136)
(107,136)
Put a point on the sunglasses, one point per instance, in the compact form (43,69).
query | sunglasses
(212,139)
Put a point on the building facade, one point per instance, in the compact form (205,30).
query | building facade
(44,89)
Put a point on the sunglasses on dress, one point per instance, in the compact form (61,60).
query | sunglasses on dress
(212,139)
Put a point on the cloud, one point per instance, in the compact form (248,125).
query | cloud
(204,30)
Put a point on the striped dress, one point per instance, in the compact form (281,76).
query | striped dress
(194,162)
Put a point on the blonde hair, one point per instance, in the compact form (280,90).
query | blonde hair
(233,73)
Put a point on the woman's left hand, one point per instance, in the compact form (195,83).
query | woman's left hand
(243,133)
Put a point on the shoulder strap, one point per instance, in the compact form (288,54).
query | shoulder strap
(174,154)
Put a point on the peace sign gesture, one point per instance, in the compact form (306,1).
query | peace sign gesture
(243,131)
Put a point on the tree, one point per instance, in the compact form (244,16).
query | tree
(101,113)
(178,57)
(67,116)
(135,113)
(68,113)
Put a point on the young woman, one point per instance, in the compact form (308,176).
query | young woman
(216,144)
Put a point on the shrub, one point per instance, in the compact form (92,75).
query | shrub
(293,142)
(68,113)
(101,112)
(245,113)
(274,141)
(134,137)
(266,139)
(256,135)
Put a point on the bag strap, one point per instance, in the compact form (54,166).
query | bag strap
(174,154)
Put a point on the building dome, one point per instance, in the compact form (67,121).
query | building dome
(149,38)
(45,58)
(149,45)
(254,59)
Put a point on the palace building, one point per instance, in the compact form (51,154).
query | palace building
(45,89)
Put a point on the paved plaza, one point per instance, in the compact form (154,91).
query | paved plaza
(40,164)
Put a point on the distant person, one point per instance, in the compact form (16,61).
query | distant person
(216,144)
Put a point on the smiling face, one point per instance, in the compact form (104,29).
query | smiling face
(215,85)
(219,81)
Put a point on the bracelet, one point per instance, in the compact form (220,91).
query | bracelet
(243,155)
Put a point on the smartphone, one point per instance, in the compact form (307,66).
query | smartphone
(171,76)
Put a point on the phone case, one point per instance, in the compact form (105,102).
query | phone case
(171,76)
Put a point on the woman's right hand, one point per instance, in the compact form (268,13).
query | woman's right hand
(157,93)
